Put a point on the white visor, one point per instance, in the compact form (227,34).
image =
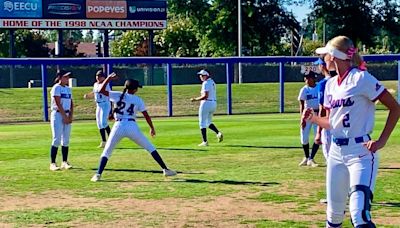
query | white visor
(203,72)
(328,49)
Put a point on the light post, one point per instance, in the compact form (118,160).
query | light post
(240,38)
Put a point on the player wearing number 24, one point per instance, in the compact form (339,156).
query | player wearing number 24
(353,156)
(126,105)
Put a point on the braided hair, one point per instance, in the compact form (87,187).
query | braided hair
(130,84)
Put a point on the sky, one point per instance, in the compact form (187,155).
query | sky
(300,12)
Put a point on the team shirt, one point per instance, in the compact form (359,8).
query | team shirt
(351,103)
(99,97)
(310,97)
(64,92)
(321,90)
(129,106)
(209,85)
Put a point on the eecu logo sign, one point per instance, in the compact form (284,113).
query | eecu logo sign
(104,9)
(20,8)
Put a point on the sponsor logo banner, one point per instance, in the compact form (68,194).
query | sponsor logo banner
(82,24)
(64,9)
(147,10)
(20,8)
(106,9)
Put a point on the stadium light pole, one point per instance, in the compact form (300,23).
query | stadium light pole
(240,39)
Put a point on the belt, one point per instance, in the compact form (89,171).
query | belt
(316,110)
(66,111)
(210,100)
(345,141)
(126,119)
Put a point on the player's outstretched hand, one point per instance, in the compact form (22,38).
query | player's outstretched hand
(113,76)
(192,99)
(152,132)
(373,145)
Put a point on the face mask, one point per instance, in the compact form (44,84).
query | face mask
(332,73)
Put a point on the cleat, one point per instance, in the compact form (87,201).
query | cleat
(54,167)
(203,144)
(169,172)
(220,137)
(312,163)
(96,177)
(102,145)
(323,201)
(303,162)
(65,165)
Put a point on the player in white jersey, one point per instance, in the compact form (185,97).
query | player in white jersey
(208,105)
(308,98)
(62,110)
(126,105)
(353,157)
(103,106)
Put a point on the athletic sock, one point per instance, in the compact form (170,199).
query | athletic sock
(102,165)
(314,150)
(306,149)
(108,130)
(64,150)
(53,154)
(103,134)
(214,128)
(204,134)
(158,159)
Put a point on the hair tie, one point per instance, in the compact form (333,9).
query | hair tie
(351,52)
(363,66)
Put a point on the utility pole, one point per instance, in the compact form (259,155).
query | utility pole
(240,39)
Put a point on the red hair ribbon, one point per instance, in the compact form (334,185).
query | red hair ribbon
(363,66)
(351,52)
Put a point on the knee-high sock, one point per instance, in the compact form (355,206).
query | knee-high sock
(158,159)
(64,150)
(306,149)
(102,165)
(204,134)
(53,154)
(108,130)
(214,128)
(314,150)
(103,134)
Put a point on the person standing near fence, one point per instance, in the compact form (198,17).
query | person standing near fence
(126,105)
(353,157)
(308,98)
(208,105)
(62,110)
(103,106)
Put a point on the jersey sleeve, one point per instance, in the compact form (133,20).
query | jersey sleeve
(370,86)
(114,96)
(302,95)
(56,91)
(141,107)
(321,91)
(207,86)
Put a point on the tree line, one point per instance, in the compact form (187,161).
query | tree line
(209,28)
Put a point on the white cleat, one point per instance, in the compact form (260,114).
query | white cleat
(54,167)
(169,172)
(312,163)
(203,144)
(102,145)
(96,177)
(220,137)
(65,165)
(303,162)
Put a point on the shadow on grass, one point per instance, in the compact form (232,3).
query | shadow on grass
(387,204)
(197,181)
(147,171)
(266,147)
(2,91)
(389,168)
(164,148)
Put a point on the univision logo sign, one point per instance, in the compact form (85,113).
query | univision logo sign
(132,9)
(20,6)
(64,8)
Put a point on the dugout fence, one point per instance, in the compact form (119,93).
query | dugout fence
(169,98)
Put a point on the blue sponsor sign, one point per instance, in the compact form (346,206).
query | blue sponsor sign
(64,9)
(20,8)
(147,10)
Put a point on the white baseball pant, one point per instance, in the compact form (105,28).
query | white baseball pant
(102,112)
(206,111)
(61,132)
(305,132)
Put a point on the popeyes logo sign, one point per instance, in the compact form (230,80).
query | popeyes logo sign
(106,9)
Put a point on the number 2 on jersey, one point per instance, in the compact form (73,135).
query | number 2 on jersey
(346,120)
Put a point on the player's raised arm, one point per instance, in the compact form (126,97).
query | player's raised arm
(112,76)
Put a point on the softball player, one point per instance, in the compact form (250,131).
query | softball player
(208,105)
(308,98)
(61,119)
(103,107)
(126,105)
(353,157)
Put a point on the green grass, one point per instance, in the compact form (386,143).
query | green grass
(27,104)
(256,166)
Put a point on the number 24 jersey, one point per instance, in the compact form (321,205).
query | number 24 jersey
(128,107)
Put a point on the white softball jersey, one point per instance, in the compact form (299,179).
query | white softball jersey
(208,106)
(99,97)
(209,85)
(130,105)
(64,92)
(351,103)
(310,97)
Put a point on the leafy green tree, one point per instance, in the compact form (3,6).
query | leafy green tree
(131,43)
(27,44)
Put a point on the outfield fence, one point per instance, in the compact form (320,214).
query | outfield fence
(178,71)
